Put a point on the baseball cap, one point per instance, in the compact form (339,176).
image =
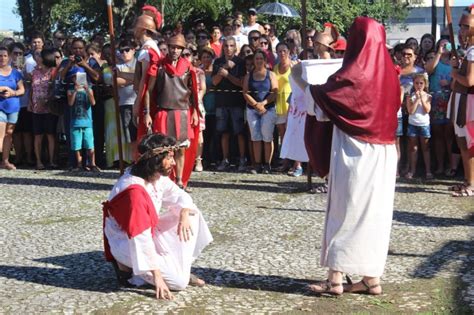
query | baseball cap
(252,11)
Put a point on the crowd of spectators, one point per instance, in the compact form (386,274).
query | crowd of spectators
(57,108)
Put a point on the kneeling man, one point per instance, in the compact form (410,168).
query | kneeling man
(144,245)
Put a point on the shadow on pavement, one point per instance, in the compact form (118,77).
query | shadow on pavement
(421,219)
(60,183)
(279,187)
(83,271)
(290,209)
(241,280)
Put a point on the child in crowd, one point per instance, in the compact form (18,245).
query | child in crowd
(81,98)
(44,122)
(419,106)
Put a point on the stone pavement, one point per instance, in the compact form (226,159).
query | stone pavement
(267,233)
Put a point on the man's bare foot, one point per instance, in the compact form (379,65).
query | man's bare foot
(196,282)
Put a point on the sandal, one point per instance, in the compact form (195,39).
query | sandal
(409,175)
(186,189)
(321,189)
(465,192)
(195,281)
(95,169)
(368,289)
(457,187)
(325,287)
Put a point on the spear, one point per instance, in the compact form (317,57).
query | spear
(447,9)
(114,84)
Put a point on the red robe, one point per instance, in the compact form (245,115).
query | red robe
(134,212)
(363,97)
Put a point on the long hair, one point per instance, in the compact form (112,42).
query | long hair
(147,168)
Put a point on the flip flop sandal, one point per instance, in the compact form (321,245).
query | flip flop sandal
(368,289)
(466,192)
(326,288)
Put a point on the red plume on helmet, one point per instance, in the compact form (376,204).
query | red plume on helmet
(155,14)
(330,28)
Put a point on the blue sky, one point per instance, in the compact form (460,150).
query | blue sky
(8,20)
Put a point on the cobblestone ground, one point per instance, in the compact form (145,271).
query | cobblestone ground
(267,234)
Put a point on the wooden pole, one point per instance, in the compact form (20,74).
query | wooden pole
(114,84)
(447,9)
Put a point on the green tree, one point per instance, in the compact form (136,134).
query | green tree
(90,16)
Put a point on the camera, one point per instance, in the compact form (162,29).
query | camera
(77,59)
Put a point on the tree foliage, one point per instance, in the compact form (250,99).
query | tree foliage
(90,16)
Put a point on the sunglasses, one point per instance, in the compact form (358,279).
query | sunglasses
(237,25)
(267,28)
(123,50)
(187,54)
(263,43)
(255,38)
(248,52)
(60,38)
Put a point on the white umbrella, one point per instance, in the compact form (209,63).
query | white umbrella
(278,8)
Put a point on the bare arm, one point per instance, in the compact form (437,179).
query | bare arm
(296,74)
(468,79)
(274,89)
(71,97)
(245,90)
(431,64)
(90,94)
(426,103)
(202,87)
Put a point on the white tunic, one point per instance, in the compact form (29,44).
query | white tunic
(293,146)
(164,250)
(359,207)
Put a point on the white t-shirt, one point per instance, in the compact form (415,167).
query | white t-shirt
(241,40)
(126,93)
(247,29)
(30,63)
(420,117)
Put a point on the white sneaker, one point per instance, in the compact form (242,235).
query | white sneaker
(198,166)
(224,165)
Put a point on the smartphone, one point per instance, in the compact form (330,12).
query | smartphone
(81,79)
(448,46)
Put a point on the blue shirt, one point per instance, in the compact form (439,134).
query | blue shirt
(11,104)
(81,112)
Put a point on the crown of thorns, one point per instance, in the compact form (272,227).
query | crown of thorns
(154,152)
